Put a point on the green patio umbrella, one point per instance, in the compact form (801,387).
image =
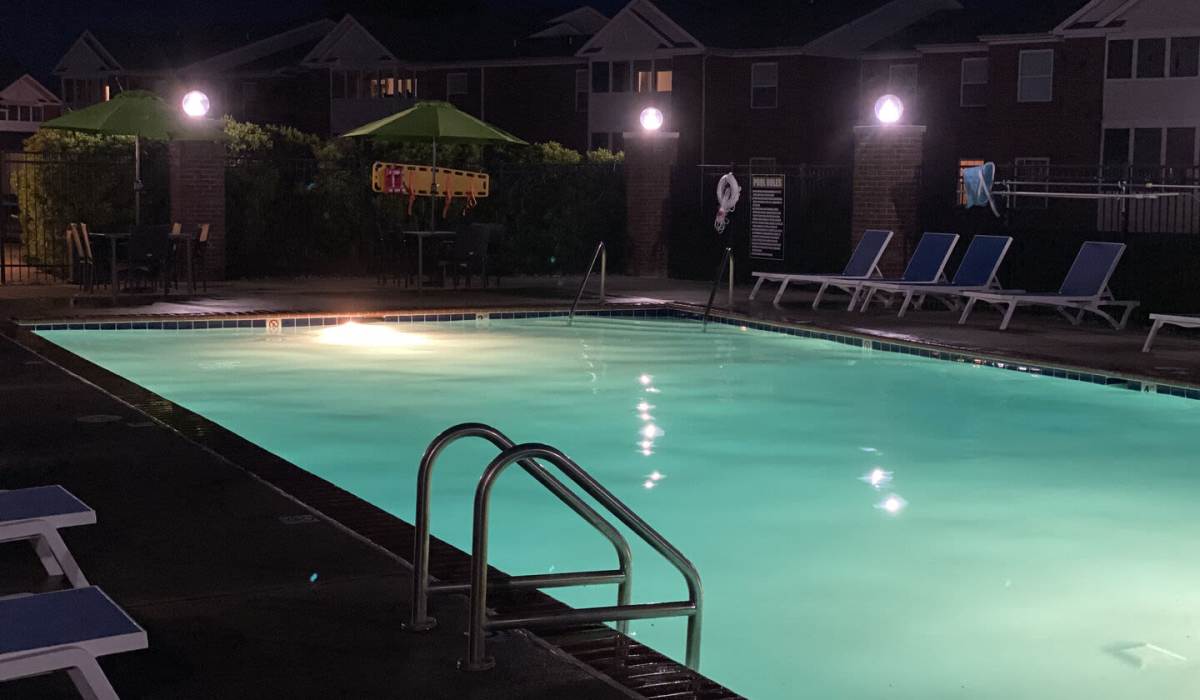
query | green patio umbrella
(434,123)
(136,113)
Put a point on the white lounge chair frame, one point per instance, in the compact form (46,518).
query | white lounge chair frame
(77,659)
(945,293)
(1081,305)
(56,558)
(1161,320)
(836,281)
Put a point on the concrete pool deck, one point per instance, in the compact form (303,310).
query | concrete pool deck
(217,565)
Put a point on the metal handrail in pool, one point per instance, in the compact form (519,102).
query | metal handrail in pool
(602,253)
(622,575)
(480,621)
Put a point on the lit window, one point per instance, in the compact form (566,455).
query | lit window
(1035,71)
(456,84)
(107,92)
(974,88)
(764,85)
(963,164)
(664,80)
(643,76)
(581,91)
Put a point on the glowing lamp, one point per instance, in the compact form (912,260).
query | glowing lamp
(889,109)
(651,119)
(196,104)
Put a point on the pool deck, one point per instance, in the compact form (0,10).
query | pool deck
(216,565)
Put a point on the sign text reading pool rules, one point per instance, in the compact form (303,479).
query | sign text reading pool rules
(766,217)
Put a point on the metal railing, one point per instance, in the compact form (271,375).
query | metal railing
(602,254)
(480,621)
(421,621)
(726,262)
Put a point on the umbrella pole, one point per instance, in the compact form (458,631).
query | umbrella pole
(433,191)
(137,181)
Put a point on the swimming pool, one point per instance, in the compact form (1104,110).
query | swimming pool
(1025,537)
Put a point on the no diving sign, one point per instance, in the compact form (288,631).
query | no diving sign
(766,216)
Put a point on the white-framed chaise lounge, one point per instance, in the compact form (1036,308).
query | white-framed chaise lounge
(65,631)
(37,514)
(927,264)
(976,272)
(1084,290)
(863,263)
(1160,320)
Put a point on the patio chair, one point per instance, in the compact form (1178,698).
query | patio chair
(1084,290)
(149,253)
(864,263)
(37,514)
(1160,320)
(468,254)
(80,253)
(976,272)
(65,631)
(927,264)
(200,253)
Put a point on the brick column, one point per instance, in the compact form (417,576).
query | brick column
(887,179)
(649,158)
(197,182)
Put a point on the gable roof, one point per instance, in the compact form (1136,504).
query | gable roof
(978,18)
(763,24)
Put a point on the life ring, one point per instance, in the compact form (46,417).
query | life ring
(728,194)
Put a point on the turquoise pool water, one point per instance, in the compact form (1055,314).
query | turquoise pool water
(1043,543)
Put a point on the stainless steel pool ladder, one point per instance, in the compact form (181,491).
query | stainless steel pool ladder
(480,620)
(602,254)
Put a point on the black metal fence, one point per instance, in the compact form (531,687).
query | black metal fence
(816,219)
(1162,234)
(41,194)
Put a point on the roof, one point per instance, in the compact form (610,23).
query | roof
(491,33)
(982,18)
(763,23)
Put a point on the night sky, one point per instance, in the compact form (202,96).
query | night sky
(37,32)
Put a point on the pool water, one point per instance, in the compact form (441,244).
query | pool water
(1024,537)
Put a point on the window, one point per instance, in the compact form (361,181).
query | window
(1120,59)
(764,85)
(406,87)
(456,84)
(3,113)
(1181,147)
(600,76)
(663,75)
(902,79)
(1116,147)
(620,76)
(974,78)
(1031,170)
(643,76)
(38,113)
(1147,146)
(963,164)
(599,140)
(581,91)
(617,142)
(1151,58)
(107,93)
(1035,81)
(1185,57)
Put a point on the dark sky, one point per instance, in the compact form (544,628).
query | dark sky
(37,32)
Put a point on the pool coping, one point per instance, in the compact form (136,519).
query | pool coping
(612,657)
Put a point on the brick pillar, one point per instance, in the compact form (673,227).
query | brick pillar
(197,181)
(649,159)
(887,178)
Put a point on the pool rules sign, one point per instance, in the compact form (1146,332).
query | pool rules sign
(766,216)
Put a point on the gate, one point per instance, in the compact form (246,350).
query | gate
(816,210)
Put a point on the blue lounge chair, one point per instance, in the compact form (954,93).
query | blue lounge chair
(863,263)
(976,272)
(1084,290)
(927,264)
(65,631)
(37,514)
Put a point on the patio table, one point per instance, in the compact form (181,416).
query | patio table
(112,237)
(421,236)
(189,241)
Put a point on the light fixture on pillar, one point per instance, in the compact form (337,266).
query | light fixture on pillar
(651,119)
(889,109)
(196,104)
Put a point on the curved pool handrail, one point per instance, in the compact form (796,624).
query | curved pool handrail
(479,620)
(602,254)
(421,620)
